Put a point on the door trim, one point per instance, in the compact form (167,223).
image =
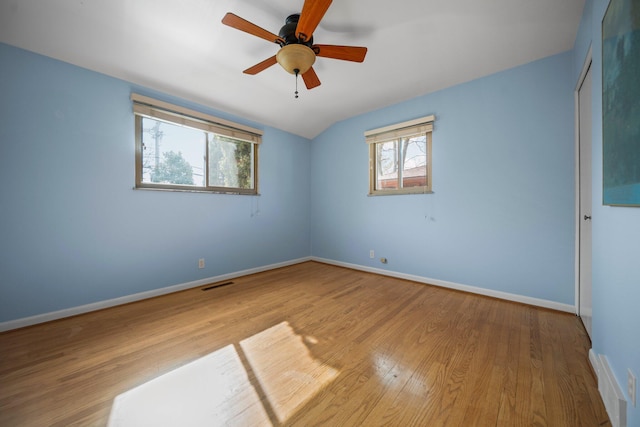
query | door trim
(583,73)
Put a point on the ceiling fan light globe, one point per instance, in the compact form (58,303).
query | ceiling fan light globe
(296,57)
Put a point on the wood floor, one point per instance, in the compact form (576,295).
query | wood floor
(309,344)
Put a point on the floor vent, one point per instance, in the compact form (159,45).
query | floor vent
(611,394)
(217,285)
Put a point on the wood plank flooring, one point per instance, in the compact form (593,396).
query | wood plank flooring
(309,344)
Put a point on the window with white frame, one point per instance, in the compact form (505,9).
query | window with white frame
(400,158)
(184,150)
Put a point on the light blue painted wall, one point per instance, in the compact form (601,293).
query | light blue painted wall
(616,237)
(502,215)
(72,229)
(73,232)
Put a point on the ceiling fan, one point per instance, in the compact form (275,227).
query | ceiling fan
(297,52)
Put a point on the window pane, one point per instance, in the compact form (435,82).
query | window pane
(414,171)
(230,162)
(387,165)
(172,154)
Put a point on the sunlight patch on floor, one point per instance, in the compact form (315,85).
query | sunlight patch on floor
(287,371)
(213,390)
(217,389)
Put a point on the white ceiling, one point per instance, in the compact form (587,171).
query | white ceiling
(181,48)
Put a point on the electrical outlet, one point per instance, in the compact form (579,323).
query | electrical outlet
(372,254)
(201,263)
(631,386)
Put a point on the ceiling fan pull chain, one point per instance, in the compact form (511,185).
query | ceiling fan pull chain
(297,72)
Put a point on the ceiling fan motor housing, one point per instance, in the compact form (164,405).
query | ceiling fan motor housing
(288,31)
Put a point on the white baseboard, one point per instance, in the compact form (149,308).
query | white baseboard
(457,286)
(609,389)
(73,311)
(595,363)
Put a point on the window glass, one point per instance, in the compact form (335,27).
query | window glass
(387,162)
(414,153)
(230,162)
(172,154)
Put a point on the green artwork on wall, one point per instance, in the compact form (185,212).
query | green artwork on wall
(621,103)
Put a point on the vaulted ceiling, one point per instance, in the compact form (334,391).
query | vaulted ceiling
(182,48)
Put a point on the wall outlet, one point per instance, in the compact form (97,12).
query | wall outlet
(372,254)
(383,260)
(631,386)
(201,263)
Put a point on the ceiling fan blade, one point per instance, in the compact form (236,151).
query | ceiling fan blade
(345,53)
(241,24)
(312,13)
(311,79)
(261,66)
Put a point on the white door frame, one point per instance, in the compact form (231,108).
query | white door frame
(585,67)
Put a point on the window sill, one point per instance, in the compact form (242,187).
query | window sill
(397,193)
(195,190)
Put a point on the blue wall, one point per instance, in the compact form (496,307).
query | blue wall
(72,229)
(616,236)
(73,232)
(502,215)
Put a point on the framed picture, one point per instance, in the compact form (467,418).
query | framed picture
(621,103)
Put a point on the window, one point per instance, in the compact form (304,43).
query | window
(400,158)
(184,150)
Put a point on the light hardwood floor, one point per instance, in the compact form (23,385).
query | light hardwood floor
(309,344)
